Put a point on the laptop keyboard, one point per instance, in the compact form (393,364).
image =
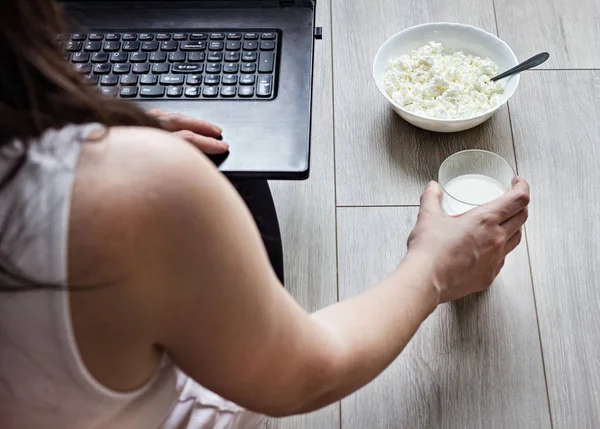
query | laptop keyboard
(205,65)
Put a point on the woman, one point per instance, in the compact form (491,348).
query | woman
(132,274)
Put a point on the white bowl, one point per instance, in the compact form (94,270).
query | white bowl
(454,37)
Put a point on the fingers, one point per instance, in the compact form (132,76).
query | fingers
(208,145)
(182,122)
(509,204)
(515,223)
(431,199)
(513,242)
(176,122)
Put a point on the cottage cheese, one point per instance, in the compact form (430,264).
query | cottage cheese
(445,86)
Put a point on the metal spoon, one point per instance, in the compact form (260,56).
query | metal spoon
(534,61)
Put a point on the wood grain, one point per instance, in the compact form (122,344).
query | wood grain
(473,364)
(381,159)
(567,30)
(556,128)
(306,213)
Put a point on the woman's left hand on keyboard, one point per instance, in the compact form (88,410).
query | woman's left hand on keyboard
(204,135)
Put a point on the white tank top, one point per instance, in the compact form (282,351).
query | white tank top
(43,381)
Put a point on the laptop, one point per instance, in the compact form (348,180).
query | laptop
(245,65)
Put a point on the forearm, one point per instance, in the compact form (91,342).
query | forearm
(369,331)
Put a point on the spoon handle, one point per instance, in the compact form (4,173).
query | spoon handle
(534,61)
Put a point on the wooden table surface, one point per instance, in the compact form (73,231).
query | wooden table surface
(526,354)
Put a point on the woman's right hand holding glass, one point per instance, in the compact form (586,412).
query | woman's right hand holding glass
(467,252)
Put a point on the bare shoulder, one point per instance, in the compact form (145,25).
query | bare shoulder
(123,179)
(131,186)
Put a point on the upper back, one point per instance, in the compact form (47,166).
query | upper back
(43,379)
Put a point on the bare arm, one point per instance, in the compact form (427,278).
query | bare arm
(250,341)
(203,286)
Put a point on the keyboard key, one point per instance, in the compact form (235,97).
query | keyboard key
(141,68)
(78,36)
(149,79)
(131,46)
(180,36)
(169,46)
(150,46)
(268,36)
(129,36)
(196,56)
(158,57)
(163,36)
(215,46)
(212,79)
(246,91)
(267,45)
(248,68)
(73,46)
(215,57)
(247,79)
(217,36)
(100,57)
(139,57)
(91,79)
(174,91)
(233,45)
(194,79)
(265,63)
(129,79)
(198,36)
(231,68)
(92,46)
(161,68)
(177,57)
(171,80)
(228,91)
(192,91)
(229,79)
(249,57)
(188,68)
(96,36)
(145,37)
(102,68)
(110,91)
(232,56)
(122,68)
(210,91)
(112,46)
(113,36)
(80,57)
(264,88)
(152,91)
(234,36)
(251,36)
(193,46)
(129,91)
(250,45)
(83,68)
(213,68)
(111,80)
(119,57)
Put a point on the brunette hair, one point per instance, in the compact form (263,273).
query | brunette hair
(40,90)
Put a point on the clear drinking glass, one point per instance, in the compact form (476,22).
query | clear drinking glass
(471,178)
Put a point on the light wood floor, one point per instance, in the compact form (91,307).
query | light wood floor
(527,353)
